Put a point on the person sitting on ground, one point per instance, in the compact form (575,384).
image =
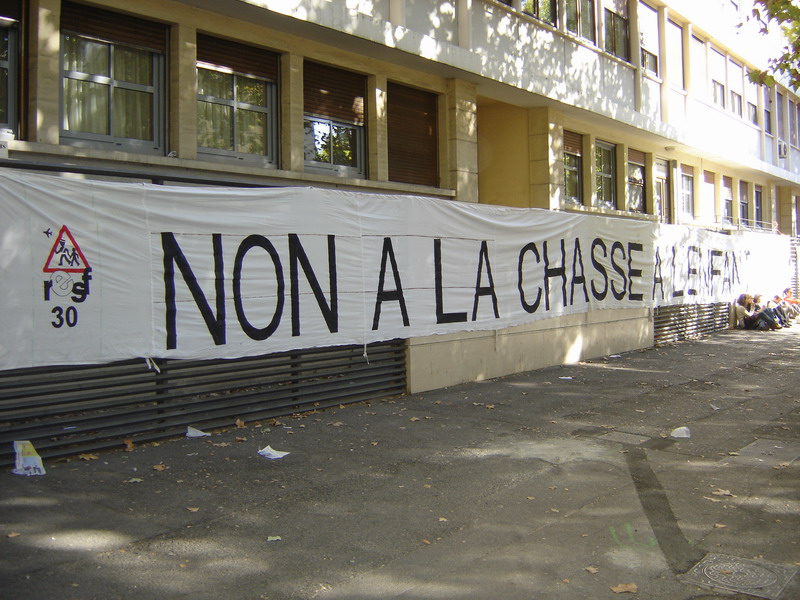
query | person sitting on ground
(748,318)
(773,311)
(785,311)
(792,302)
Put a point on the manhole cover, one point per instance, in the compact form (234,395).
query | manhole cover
(765,453)
(624,438)
(756,578)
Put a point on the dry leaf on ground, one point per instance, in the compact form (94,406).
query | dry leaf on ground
(192,508)
(240,424)
(592,569)
(88,456)
(160,467)
(623,588)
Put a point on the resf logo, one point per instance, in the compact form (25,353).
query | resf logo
(64,263)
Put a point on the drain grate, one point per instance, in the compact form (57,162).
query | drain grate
(753,577)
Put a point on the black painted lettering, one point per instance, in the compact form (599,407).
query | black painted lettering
(549,272)
(250,242)
(389,295)
(330,311)
(633,273)
(441,316)
(599,243)
(618,294)
(530,308)
(487,290)
(578,278)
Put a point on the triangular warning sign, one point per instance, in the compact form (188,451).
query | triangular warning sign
(65,255)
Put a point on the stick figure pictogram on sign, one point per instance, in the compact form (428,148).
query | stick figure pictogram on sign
(65,255)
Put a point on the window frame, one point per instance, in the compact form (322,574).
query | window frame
(744,205)
(11,65)
(616,26)
(638,185)
(687,194)
(727,200)
(331,167)
(578,10)
(533,8)
(573,173)
(758,207)
(269,157)
(156,91)
(602,176)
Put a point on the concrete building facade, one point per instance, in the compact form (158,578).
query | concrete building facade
(627,108)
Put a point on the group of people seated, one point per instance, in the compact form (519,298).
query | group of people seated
(753,313)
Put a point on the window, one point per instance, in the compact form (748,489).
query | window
(580,18)
(718,91)
(112,79)
(727,200)
(758,207)
(675,72)
(412,121)
(573,168)
(744,205)
(9,65)
(752,113)
(793,110)
(687,191)
(636,181)
(616,35)
(779,107)
(334,106)
(605,174)
(648,32)
(544,10)
(698,65)
(717,72)
(662,205)
(767,111)
(236,101)
(736,86)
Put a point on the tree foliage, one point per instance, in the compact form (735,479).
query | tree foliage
(786,14)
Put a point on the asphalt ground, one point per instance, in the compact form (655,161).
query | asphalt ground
(561,483)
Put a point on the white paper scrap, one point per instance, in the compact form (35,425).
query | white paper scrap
(27,461)
(192,432)
(681,432)
(271,454)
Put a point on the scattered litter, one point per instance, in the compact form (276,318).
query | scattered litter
(565,377)
(271,454)
(193,432)
(134,480)
(615,356)
(274,538)
(721,492)
(715,407)
(681,432)
(27,461)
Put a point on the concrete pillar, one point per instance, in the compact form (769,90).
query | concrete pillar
(183,91)
(44,76)
(462,136)
(377,128)
(292,132)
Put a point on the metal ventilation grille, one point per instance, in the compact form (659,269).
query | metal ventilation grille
(686,322)
(68,410)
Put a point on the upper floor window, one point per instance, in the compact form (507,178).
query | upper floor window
(580,18)
(687,191)
(605,174)
(758,207)
(744,205)
(794,123)
(616,35)
(767,110)
(236,101)
(780,109)
(636,180)
(112,79)
(9,64)
(573,168)
(544,10)
(675,72)
(334,107)
(736,85)
(718,92)
(648,32)
(413,141)
(727,200)
(717,67)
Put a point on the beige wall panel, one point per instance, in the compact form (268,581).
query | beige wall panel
(439,361)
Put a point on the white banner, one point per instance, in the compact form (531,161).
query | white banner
(96,271)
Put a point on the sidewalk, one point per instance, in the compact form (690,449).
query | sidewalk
(556,484)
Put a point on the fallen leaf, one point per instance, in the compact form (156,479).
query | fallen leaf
(427,486)
(13,534)
(160,467)
(240,424)
(134,480)
(625,587)
(554,510)
(591,569)
(442,520)
(192,508)
(424,541)
(531,497)
(721,492)
(88,456)
(220,444)
(373,443)
(414,419)
(565,581)
(490,406)
(336,424)
(240,439)
(719,526)
(712,499)
(183,565)
(128,444)
(274,538)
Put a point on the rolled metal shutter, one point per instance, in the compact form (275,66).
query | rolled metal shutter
(68,410)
